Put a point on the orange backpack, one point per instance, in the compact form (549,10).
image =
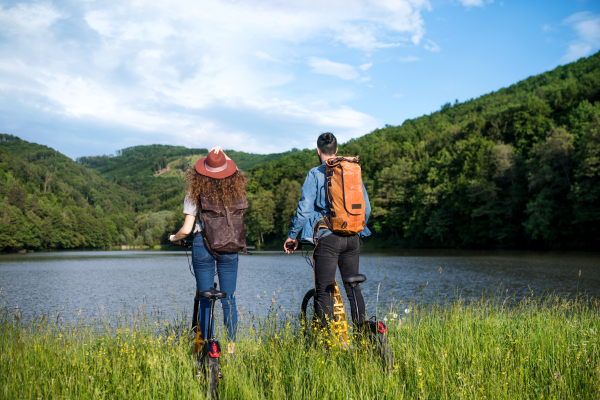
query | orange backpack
(344,191)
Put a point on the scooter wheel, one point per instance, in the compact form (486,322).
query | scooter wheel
(308,309)
(212,377)
(383,350)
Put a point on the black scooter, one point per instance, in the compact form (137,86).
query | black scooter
(207,352)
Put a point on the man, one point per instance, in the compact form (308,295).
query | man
(332,249)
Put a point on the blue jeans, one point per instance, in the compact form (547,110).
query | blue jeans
(204,269)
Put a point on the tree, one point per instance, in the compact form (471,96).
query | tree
(17,195)
(550,179)
(260,216)
(288,194)
(586,190)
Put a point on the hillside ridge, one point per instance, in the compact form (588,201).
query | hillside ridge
(515,168)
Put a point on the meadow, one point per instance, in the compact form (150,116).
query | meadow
(482,348)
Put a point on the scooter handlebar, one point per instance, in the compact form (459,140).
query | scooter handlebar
(302,244)
(188,244)
(182,243)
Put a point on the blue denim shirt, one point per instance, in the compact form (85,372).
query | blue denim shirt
(313,201)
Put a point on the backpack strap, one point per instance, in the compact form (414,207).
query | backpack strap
(337,160)
(209,249)
(199,216)
(319,226)
(228,215)
(204,239)
(326,220)
(328,176)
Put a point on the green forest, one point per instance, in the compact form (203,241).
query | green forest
(516,168)
(48,201)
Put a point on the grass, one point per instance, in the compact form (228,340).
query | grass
(536,348)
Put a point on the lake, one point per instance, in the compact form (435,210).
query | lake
(108,281)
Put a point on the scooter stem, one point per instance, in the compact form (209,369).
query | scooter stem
(210,319)
(355,305)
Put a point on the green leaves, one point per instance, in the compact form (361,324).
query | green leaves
(259,218)
(286,197)
(515,168)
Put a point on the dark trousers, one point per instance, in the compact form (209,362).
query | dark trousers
(331,251)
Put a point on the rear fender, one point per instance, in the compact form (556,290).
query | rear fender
(214,348)
(377,327)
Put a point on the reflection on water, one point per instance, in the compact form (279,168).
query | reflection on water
(99,281)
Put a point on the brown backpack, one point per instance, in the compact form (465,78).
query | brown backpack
(344,192)
(223,225)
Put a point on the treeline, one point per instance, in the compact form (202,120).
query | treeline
(133,168)
(137,161)
(246,161)
(518,168)
(47,201)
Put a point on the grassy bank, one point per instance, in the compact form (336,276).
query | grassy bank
(540,348)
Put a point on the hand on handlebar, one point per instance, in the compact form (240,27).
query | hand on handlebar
(290,245)
(177,242)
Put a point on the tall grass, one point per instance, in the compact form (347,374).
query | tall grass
(537,348)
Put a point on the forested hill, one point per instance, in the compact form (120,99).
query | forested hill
(517,168)
(144,161)
(155,172)
(135,168)
(49,201)
(137,161)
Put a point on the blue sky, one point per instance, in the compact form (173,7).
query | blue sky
(91,77)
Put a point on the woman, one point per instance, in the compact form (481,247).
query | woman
(217,178)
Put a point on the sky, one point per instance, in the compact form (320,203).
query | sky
(90,77)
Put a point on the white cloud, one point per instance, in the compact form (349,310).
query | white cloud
(364,37)
(161,66)
(587,28)
(587,25)
(576,51)
(326,67)
(25,19)
(409,59)
(264,56)
(471,3)
(432,46)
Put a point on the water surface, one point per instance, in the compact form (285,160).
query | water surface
(108,281)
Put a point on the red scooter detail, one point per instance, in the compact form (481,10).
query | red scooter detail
(214,350)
